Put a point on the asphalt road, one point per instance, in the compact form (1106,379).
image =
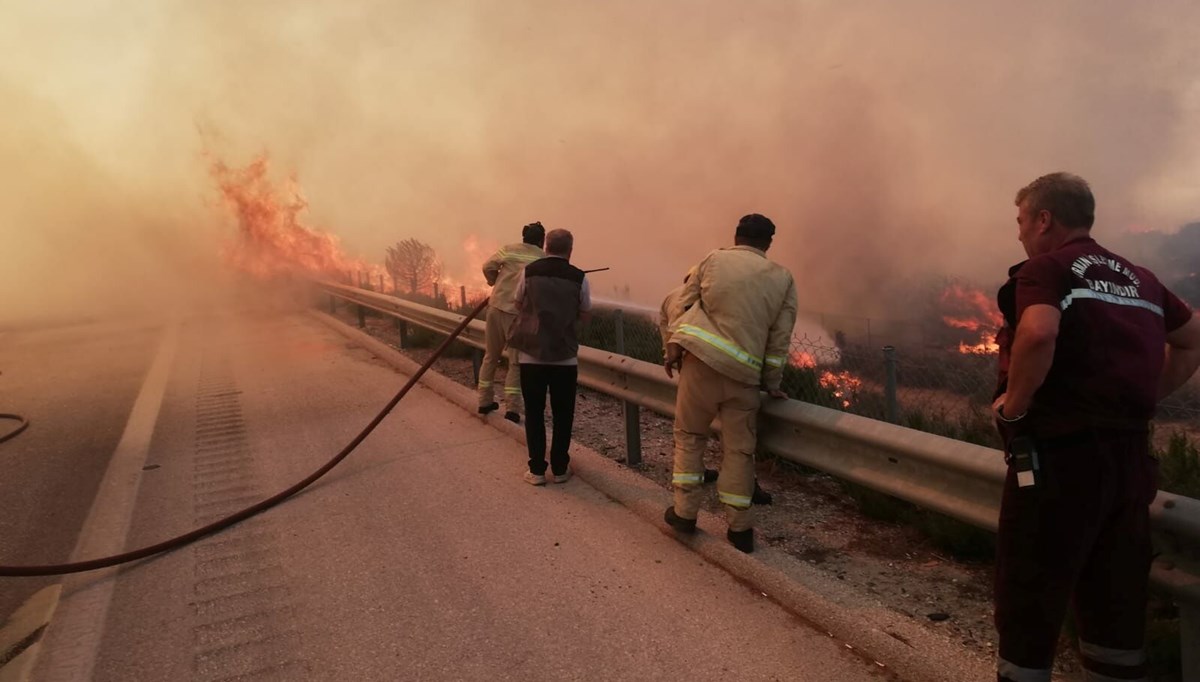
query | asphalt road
(75,385)
(423,556)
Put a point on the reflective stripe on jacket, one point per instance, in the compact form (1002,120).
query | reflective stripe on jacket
(738,311)
(501,272)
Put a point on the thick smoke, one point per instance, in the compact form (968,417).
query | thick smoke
(886,140)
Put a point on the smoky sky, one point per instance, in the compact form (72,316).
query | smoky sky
(886,140)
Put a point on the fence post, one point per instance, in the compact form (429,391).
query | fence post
(889,387)
(381,283)
(1189,639)
(362,317)
(630,411)
(619,324)
(435,294)
(462,293)
(402,327)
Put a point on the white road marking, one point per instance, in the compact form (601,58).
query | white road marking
(26,621)
(72,639)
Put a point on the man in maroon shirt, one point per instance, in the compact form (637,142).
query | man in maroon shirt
(1090,344)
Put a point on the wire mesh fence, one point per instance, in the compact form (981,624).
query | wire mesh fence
(931,383)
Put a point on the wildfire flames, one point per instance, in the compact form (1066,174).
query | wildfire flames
(971,310)
(802,360)
(844,385)
(271,239)
(476,254)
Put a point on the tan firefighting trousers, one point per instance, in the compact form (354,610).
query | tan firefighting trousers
(498,325)
(703,394)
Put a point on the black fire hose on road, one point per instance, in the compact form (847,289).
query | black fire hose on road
(21,426)
(188,538)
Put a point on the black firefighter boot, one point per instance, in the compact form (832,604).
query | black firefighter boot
(743,540)
(680,524)
(490,407)
(760,496)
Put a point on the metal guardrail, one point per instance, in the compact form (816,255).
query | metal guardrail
(958,479)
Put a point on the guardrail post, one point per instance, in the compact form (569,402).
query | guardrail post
(889,388)
(402,327)
(630,411)
(362,317)
(1189,640)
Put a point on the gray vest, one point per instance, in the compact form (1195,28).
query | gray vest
(545,324)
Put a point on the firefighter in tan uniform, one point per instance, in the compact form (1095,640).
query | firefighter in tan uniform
(670,311)
(672,308)
(731,339)
(501,272)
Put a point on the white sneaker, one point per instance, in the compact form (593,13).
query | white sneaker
(535,479)
(564,477)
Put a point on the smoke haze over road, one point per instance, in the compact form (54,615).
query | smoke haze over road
(886,140)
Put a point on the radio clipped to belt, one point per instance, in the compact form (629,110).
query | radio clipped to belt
(1022,455)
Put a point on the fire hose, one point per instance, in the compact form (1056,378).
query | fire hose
(22,424)
(221,524)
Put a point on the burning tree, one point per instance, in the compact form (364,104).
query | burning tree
(414,263)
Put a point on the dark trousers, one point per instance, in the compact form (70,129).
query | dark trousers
(560,381)
(1080,538)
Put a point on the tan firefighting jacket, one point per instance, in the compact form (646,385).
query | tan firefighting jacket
(671,309)
(738,313)
(501,272)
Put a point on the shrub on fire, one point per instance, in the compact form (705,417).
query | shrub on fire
(806,383)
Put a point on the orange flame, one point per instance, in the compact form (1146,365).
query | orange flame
(970,309)
(801,359)
(477,254)
(987,346)
(271,239)
(844,385)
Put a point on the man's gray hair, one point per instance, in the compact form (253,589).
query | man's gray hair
(559,242)
(1067,197)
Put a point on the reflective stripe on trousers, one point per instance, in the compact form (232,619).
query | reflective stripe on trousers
(1015,673)
(734,500)
(1105,664)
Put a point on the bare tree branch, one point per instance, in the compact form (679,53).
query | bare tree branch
(414,264)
